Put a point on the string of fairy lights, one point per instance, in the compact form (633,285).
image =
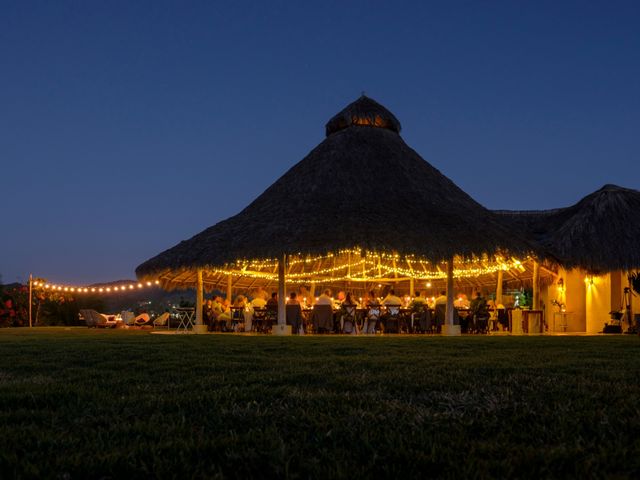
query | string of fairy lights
(124,287)
(364,267)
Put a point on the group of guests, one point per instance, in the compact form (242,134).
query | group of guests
(340,315)
(220,314)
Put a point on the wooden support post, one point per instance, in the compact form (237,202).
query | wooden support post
(282,312)
(30,298)
(536,285)
(229,287)
(199,297)
(632,318)
(499,287)
(449,328)
(450,309)
(411,287)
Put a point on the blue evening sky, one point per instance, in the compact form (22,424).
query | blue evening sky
(128,126)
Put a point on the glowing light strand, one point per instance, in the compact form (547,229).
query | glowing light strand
(124,287)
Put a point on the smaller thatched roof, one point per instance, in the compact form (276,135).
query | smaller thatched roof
(600,233)
(363,112)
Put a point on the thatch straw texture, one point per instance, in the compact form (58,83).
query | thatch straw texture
(362,186)
(363,112)
(600,233)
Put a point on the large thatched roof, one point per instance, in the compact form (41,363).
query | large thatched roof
(363,186)
(600,233)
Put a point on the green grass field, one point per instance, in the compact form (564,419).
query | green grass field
(120,404)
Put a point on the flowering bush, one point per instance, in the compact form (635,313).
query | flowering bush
(48,307)
(14,311)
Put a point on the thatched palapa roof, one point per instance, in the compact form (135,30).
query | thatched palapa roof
(363,187)
(600,233)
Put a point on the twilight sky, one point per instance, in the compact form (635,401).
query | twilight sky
(126,127)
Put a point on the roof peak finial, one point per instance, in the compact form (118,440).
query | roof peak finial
(364,112)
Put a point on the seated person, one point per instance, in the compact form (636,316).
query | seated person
(238,316)
(323,318)
(373,313)
(325,298)
(259,299)
(391,299)
(478,305)
(207,313)
(294,313)
(461,302)
(348,321)
(224,318)
(258,302)
(479,313)
(420,302)
(272,303)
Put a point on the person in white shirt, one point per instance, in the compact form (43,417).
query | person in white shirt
(258,302)
(391,299)
(325,298)
(421,299)
(442,299)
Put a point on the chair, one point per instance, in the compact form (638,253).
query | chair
(258,322)
(143,320)
(392,319)
(421,320)
(503,319)
(348,320)
(481,323)
(127,317)
(322,318)
(162,321)
(270,319)
(373,317)
(294,317)
(237,318)
(97,320)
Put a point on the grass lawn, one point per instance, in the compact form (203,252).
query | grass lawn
(82,403)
